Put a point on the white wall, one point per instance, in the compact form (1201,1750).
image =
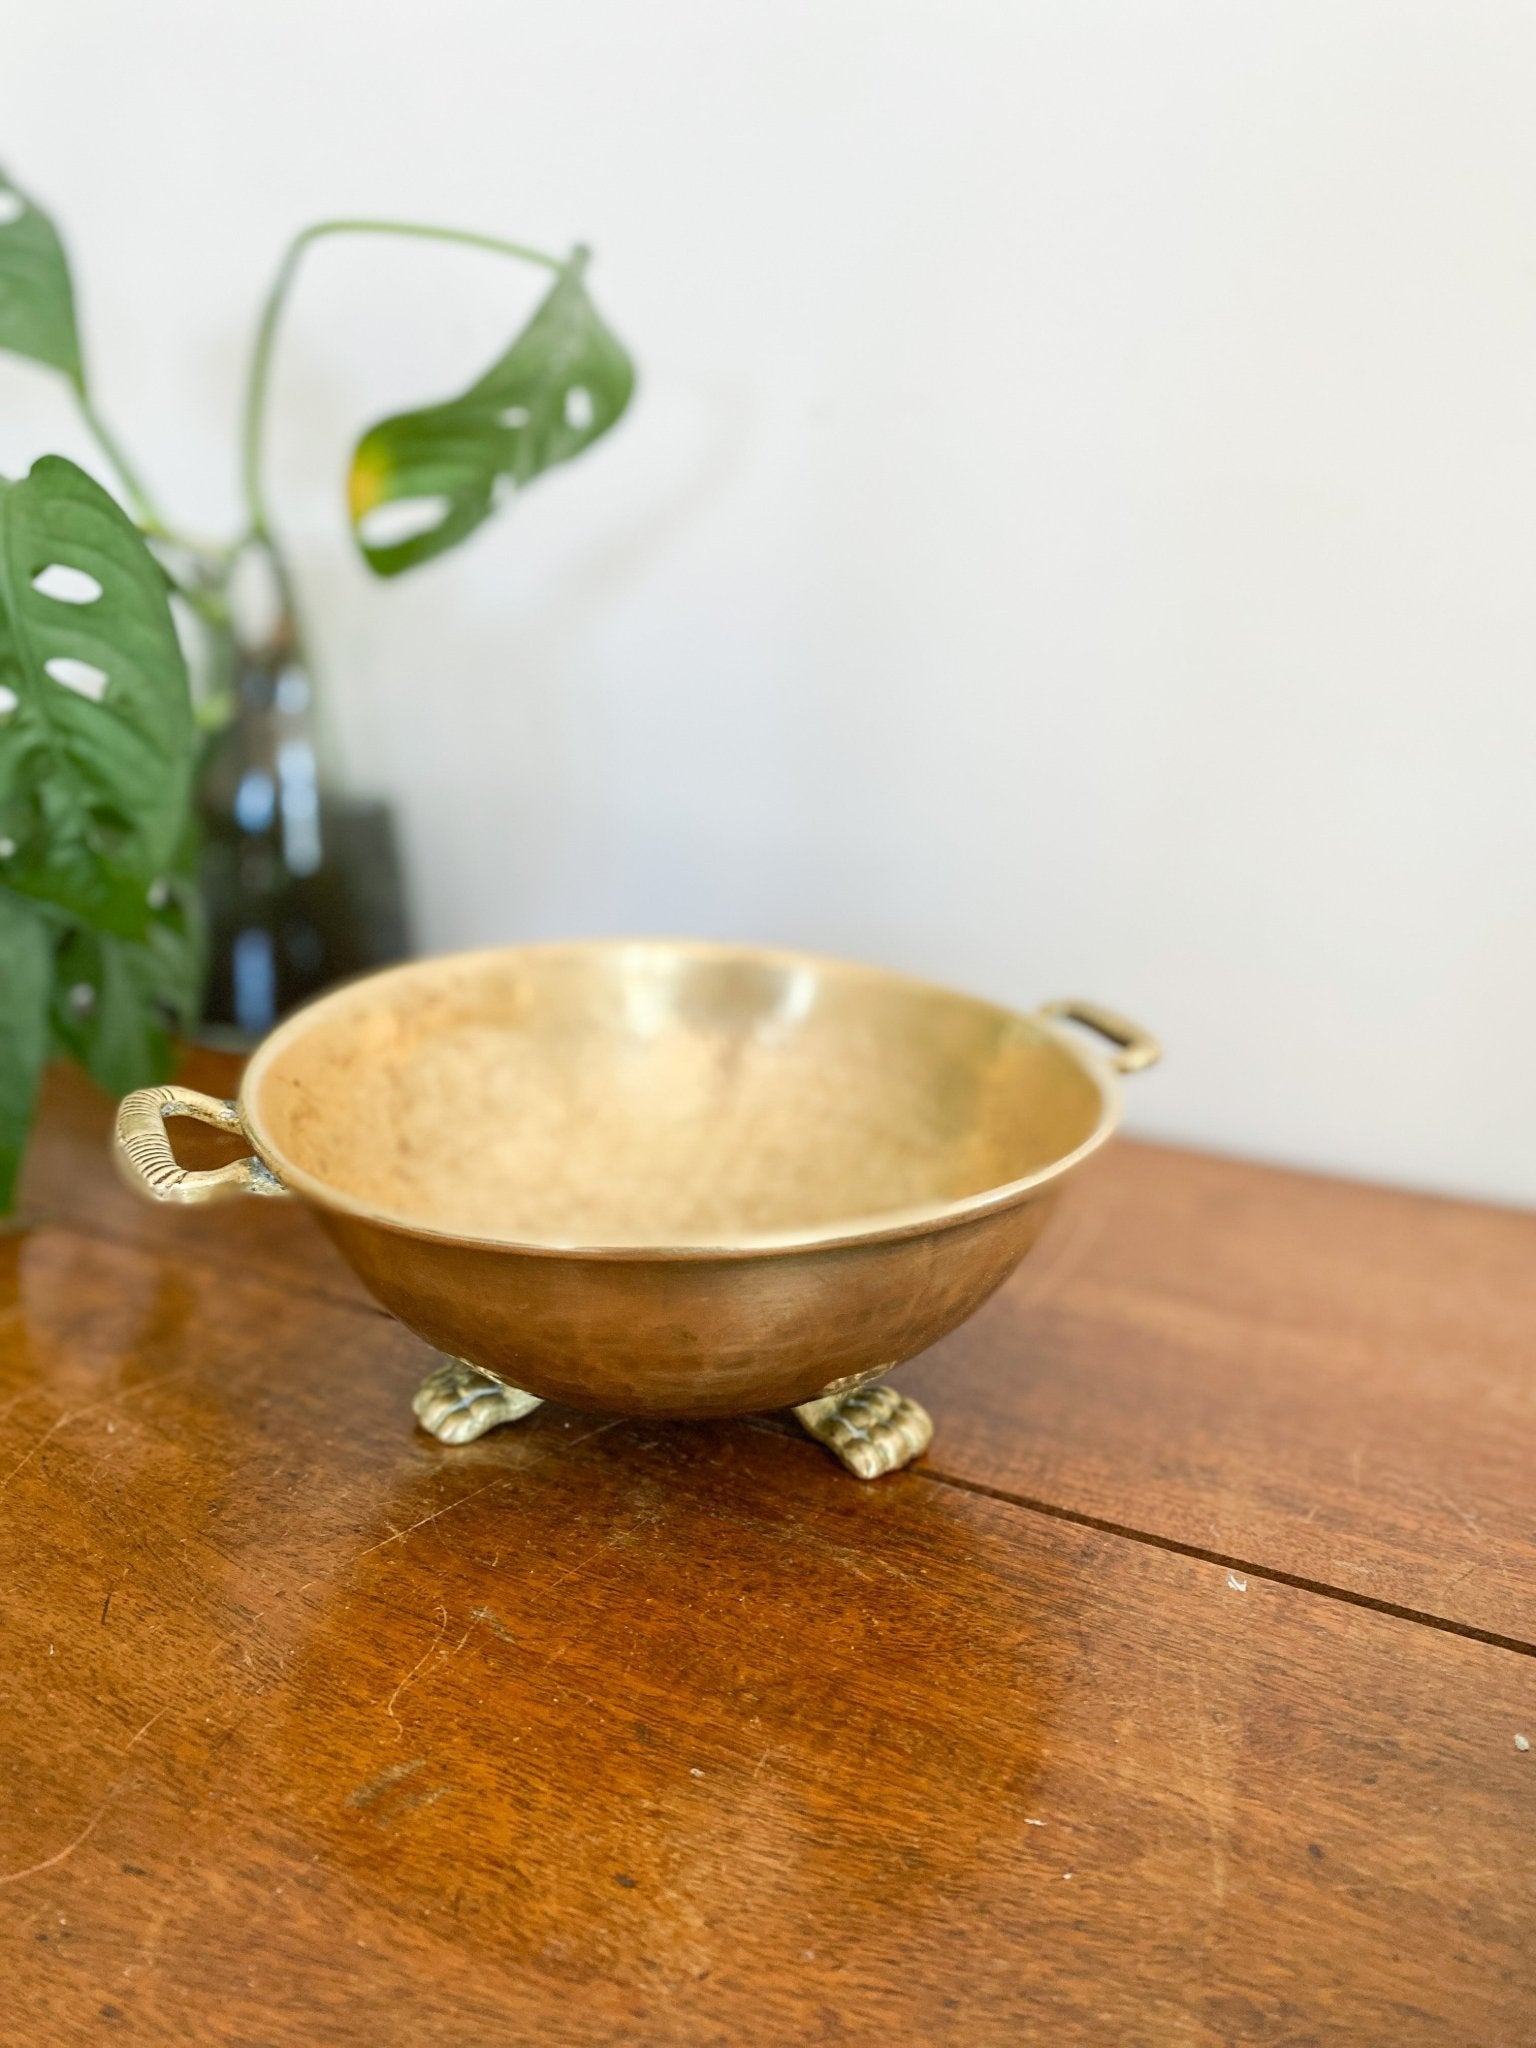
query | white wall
(1077,531)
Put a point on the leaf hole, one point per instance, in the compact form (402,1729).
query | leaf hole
(403,519)
(8,701)
(515,416)
(82,999)
(7,848)
(83,677)
(12,207)
(66,585)
(579,410)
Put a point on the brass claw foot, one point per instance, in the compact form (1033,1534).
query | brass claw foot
(457,1402)
(873,1429)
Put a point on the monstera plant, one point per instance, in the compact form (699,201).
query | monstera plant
(101,923)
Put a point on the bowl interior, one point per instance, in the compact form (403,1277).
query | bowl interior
(655,1095)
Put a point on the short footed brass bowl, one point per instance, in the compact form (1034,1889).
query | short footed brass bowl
(661,1178)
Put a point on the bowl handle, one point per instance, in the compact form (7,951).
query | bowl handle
(1135,1049)
(143,1152)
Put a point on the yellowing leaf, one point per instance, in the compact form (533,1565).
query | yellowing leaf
(421,481)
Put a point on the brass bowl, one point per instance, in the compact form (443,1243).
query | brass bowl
(663,1179)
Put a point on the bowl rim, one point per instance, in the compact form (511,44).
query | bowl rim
(878,1227)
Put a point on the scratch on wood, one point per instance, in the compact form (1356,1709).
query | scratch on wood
(69,1848)
(1462,1514)
(160,1716)
(616,1539)
(28,1456)
(494,1623)
(389,1704)
(1475,1528)
(399,1535)
(91,1407)
(600,1429)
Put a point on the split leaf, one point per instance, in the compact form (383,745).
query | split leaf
(421,481)
(96,729)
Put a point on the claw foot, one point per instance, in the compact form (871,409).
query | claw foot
(873,1430)
(456,1402)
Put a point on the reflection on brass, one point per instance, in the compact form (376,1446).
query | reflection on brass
(665,1179)
(142,1149)
(456,1402)
(851,1380)
(874,1430)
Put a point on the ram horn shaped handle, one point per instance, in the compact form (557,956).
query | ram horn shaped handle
(142,1147)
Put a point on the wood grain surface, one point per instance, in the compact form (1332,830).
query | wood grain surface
(1324,1379)
(1317,1377)
(315,1731)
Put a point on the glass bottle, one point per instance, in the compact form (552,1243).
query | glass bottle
(302,882)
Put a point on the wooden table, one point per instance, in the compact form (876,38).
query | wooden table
(1180,1695)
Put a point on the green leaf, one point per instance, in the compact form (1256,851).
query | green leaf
(26,980)
(94,791)
(560,386)
(113,1010)
(37,301)
(119,1003)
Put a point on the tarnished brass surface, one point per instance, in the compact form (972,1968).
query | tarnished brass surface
(873,1431)
(142,1149)
(677,1179)
(456,1402)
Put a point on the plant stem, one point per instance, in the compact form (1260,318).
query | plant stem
(148,516)
(271,314)
(143,506)
(206,603)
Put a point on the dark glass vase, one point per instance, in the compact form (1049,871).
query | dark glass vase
(302,883)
